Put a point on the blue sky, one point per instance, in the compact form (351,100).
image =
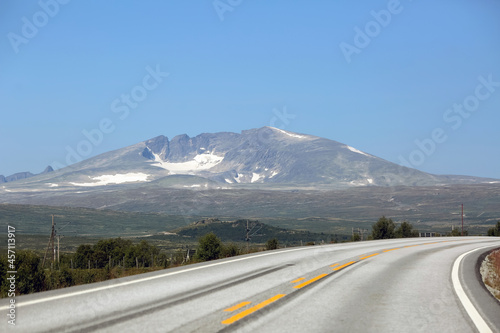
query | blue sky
(413,82)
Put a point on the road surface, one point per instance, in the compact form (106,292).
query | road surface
(402,285)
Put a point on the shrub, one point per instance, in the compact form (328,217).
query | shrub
(30,276)
(383,229)
(272,244)
(406,230)
(230,250)
(209,247)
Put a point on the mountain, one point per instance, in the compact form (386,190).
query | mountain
(22,175)
(264,157)
(278,177)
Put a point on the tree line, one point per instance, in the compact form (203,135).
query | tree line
(116,257)
(495,231)
(385,228)
(210,247)
(107,259)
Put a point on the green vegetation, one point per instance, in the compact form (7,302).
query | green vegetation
(457,232)
(495,231)
(209,248)
(230,250)
(272,244)
(84,221)
(116,251)
(107,259)
(235,231)
(385,228)
(406,230)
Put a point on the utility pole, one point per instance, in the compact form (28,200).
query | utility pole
(50,244)
(58,240)
(250,232)
(248,239)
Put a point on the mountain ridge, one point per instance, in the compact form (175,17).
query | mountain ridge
(23,175)
(266,156)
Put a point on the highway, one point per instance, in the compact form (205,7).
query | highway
(401,285)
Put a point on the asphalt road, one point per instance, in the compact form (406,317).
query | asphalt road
(413,285)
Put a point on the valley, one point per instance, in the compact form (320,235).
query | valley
(282,179)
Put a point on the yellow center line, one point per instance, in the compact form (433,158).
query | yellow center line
(237,306)
(431,243)
(412,245)
(303,284)
(371,255)
(299,279)
(344,265)
(251,310)
(334,265)
(396,248)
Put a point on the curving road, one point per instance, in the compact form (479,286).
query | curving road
(405,285)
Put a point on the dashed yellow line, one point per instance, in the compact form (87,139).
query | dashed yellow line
(396,248)
(259,306)
(251,310)
(344,265)
(303,284)
(237,306)
(371,255)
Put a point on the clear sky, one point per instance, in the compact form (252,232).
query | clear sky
(414,82)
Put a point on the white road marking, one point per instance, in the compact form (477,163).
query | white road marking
(467,304)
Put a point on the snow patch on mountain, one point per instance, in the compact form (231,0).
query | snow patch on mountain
(196,186)
(357,151)
(293,135)
(115,179)
(237,178)
(198,163)
(255,177)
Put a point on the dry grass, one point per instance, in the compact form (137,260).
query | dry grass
(491,273)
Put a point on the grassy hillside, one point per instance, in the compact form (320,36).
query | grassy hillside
(86,226)
(86,222)
(235,231)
